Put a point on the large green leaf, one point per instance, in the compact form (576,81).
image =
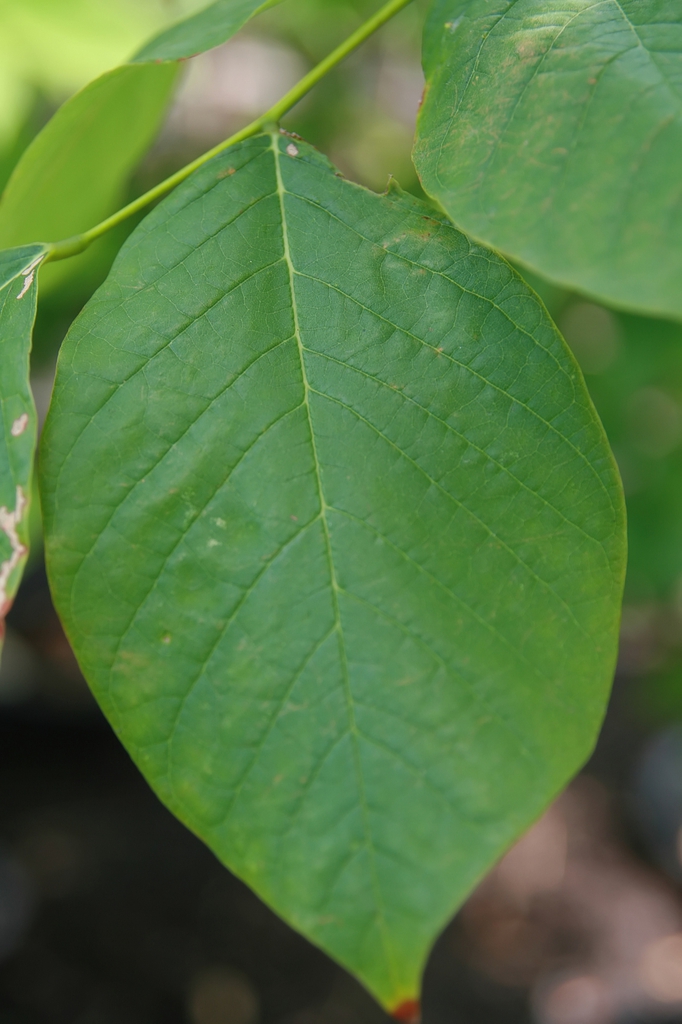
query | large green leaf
(552,130)
(18,422)
(338,541)
(204,30)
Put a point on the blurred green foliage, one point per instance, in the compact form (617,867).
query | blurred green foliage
(633,369)
(54,48)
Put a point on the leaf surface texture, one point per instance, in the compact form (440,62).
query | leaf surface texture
(338,540)
(552,130)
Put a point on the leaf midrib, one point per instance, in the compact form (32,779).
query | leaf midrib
(353,729)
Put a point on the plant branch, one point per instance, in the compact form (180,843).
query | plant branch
(78,243)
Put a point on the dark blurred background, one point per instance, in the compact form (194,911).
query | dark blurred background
(110,911)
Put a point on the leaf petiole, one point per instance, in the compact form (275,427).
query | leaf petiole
(79,243)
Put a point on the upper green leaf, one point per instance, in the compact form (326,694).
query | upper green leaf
(338,541)
(553,131)
(18,421)
(204,30)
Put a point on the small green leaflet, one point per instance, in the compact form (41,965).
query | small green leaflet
(338,540)
(204,30)
(18,423)
(552,131)
(73,173)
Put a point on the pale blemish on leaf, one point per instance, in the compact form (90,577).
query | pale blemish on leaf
(19,425)
(8,524)
(29,273)
(27,284)
(292,150)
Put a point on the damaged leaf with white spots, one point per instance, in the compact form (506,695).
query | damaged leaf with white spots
(338,541)
(18,423)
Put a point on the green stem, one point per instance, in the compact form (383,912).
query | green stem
(78,243)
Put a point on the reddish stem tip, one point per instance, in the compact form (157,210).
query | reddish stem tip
(409,1011)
